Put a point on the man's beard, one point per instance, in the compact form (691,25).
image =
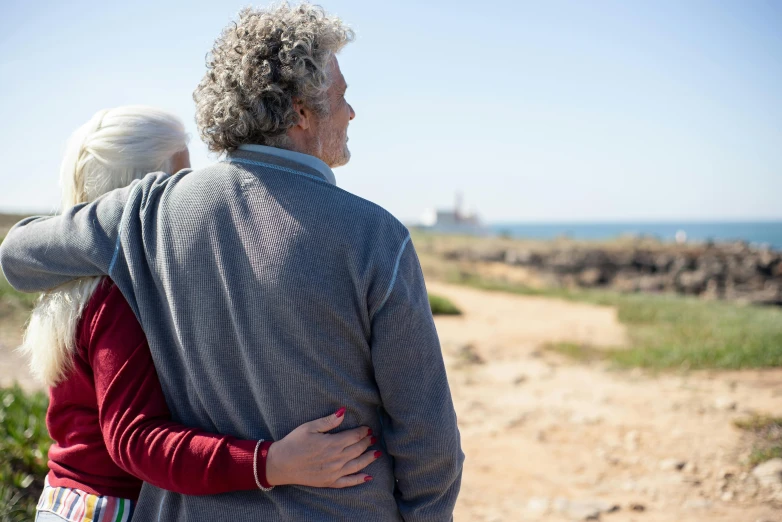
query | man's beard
(344,157)
(335,150)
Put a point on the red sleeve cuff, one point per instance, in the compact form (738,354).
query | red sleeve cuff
(263,454)
(240,473)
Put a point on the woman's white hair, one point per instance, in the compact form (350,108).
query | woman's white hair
(115,147)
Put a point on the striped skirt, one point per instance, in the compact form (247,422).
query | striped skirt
(74,505)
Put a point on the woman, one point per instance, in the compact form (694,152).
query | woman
(107,414)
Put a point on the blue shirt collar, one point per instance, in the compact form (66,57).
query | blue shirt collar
(298,157)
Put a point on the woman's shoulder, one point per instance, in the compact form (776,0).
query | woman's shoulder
(108,314)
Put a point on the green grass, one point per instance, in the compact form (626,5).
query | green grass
(442,306)
(24,443)
(12,301)
(767,437)
(14,310)
(668,331)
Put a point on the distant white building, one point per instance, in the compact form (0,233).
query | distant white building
(455,221)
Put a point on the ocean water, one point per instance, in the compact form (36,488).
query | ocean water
(759,233)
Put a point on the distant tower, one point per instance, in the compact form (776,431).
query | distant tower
(457,211)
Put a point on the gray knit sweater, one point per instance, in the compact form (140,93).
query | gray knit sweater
(270,297)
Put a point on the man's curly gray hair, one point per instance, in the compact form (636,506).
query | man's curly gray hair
(259,66)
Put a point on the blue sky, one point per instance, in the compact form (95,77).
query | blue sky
(536,111)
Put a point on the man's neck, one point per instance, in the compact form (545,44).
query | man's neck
(295,156)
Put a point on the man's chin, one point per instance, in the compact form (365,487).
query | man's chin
(341,162)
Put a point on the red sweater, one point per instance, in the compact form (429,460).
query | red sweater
(110,422)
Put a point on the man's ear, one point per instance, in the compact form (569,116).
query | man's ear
(305,115)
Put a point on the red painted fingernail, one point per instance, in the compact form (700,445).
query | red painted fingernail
(367,478)
(340,412)
(369,432)
(377,454)
(373,440)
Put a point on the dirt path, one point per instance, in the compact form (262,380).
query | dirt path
(548,439)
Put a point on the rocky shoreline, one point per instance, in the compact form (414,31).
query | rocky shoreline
(729,271)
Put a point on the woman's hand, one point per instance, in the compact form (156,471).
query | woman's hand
(308,456)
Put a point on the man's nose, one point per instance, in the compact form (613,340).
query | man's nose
(352,112)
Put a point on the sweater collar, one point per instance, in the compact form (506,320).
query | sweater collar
(311,162)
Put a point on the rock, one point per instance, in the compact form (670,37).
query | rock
(637,507)
(728,473)
(626,282)
(692,282)
(672,465)
(713,290)
(769,473)
(644,261)
(518,421)
(727,496)
(716,271)
(519,380)
(468,355)
(590,277)
(663,262)
(539,505)
(725,404)
(522,257)
(565,262)
(652,283)
(712,265)
(770,294)
(681,263)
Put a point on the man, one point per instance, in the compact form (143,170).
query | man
(268,294)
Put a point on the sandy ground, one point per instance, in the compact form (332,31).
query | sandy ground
(13,367)
(549,439)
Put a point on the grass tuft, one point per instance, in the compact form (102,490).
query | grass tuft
(442,306)
(766,434)
(759,423)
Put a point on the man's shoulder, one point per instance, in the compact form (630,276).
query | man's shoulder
(357,217)
(349,214)
(365,209)
(342,206)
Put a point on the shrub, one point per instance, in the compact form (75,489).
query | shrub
(442,306)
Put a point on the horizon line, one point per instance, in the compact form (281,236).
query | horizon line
(538,221)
